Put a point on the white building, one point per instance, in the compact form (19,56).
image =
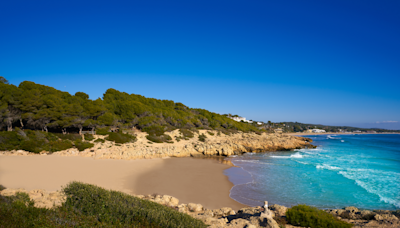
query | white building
(259,123)
(238,119)
(318,131)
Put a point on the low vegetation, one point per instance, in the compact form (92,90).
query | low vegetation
(202,138)
(307,216)
(38,141)
(120,137)
(116,208)
(91,206)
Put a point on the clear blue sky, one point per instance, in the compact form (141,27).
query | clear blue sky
(323,62)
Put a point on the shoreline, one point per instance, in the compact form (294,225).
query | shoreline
(191,180)
(338,133)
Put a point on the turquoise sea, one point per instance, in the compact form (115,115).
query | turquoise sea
(344,170)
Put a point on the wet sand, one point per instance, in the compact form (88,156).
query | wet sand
(190,180)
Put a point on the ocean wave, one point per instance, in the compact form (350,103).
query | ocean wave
(384,184)
(296,155)
(324,166)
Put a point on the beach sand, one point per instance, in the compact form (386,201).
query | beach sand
(190,180)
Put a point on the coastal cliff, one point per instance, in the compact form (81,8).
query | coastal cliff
(213,145)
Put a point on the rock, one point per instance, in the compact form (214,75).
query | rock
(195,207)
(278,209)
(238,223)
(351,209)
(367,215)
(385,217)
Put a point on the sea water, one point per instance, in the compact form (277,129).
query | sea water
(344,170)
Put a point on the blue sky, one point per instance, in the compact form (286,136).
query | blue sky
(334,63)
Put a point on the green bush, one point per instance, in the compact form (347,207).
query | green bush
(160,139)
(71,137)
(102,131)
(10,140)
(120,137)
(117,208)
(186,133)
(19,211)
(306,216)
(35,145)
(210,133)
(88,137)
(100,140)
(155,130)
(202,137)
(60,145)
(80,145)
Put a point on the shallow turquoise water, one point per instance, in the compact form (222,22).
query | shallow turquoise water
(345,170)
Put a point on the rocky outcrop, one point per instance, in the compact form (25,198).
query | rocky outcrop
(41,197)
(367,218)
(214,145)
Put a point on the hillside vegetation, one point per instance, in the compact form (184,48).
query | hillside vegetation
(40,107)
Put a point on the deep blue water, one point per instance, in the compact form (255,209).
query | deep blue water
(345,170)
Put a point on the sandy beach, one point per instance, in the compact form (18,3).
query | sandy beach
(190,180)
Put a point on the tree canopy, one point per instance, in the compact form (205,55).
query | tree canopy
(41,107)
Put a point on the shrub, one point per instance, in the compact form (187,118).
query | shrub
(186,133)
(120,209)
(102,131)
(100,140)
(10,140)
(88,137)
(19,211)
(60,145)
(210,133)
(120,137)
(202,137)
(157,130)
(80,145)
(306,216)
(71,137)
(35,145)
(159,139)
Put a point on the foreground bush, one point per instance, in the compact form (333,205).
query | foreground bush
(18,211)
(306,216)
(117,208)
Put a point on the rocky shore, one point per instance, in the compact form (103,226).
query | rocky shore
(272,216)
(220,145)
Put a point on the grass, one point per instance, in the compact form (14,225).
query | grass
(307,216)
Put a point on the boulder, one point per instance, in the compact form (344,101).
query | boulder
(195,207)
(278,209)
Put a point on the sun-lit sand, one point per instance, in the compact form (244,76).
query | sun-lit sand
(190,180)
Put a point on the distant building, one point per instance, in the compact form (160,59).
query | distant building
(259,123)
(358,131)
(278,130)
(239,119)
(318,131)
(371,132)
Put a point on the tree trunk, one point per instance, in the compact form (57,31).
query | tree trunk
(92,130)
(80,130)
(45,128)
(22,124)
(64,131)
(9,125)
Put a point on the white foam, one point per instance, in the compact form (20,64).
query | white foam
(341,140)
(296,155)
(325,166)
